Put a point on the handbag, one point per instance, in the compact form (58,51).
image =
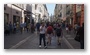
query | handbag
(77,38)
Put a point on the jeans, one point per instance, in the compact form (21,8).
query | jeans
(42,36)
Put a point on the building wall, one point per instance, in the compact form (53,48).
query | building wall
(74,14)
(78,7)
(64,11)
(13,11)
(79,18)
(39,12)
(36,12)
(82,14)
(18,10)
(46,13)
(60,12)
(69,12)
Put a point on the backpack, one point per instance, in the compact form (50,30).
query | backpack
(49,30)
(58,31)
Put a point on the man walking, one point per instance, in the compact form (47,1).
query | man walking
(80,32)
(42,35)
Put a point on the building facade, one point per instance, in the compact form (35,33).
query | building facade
(70,13)
(40,12)
(80,14)
(60,12)
(13,13)
(17,13)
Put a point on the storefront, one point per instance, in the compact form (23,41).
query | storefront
(16,19)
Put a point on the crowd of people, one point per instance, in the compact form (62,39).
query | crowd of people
(15,27)
(48,30)
(55,29)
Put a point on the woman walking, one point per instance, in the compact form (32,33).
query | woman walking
(49,33)
(59,34)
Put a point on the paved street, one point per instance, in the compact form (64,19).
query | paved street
(31,41)
(70,38)
(27,17)
(13,39)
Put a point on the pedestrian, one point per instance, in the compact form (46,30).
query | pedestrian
(67,28)
(80,32)
(47,24)
(70,28)
(78,26)
(38,26)
(55,26)
(10,27)
(17,26)
(59,34)
(49,33)
(21,27)
(75,28)
(63,25)
(7,29)
(32,28)
(42,35)
(14,27)
(27,27)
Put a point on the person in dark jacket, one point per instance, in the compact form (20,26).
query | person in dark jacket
(81,34)
(38,26)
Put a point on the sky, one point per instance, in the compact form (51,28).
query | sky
(50,8)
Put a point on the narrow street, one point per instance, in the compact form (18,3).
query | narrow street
(22,21)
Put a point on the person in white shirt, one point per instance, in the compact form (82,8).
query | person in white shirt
(42,35)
